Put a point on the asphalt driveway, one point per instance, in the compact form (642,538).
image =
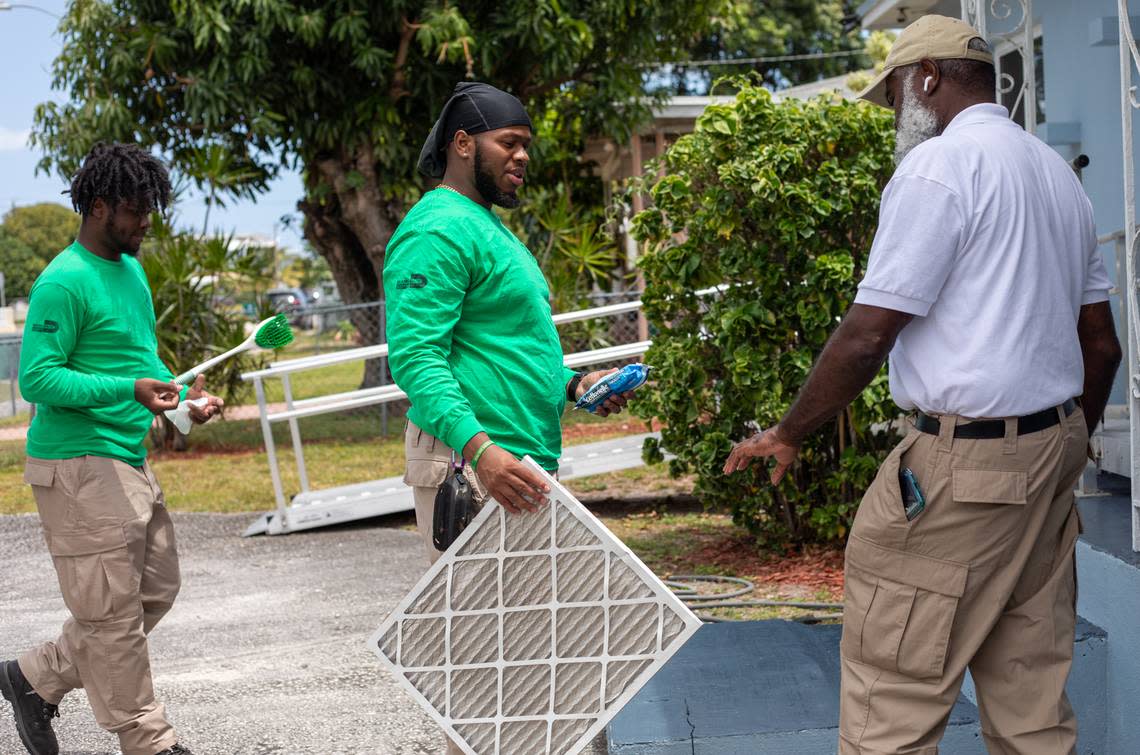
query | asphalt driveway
(264,652)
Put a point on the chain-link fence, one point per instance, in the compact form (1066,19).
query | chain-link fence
(334,327)
(330,328)
(345,326)
(610,330)
(11,403)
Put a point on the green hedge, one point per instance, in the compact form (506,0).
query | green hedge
(778,200)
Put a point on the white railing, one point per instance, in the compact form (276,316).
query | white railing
(296,409)
(1129,59)
(1018,33)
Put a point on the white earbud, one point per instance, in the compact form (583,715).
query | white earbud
(926,85)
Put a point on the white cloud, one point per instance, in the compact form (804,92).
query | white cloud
(12,139)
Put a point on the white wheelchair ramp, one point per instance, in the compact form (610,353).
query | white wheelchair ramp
(347,503)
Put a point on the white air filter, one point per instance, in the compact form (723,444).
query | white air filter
(532,631)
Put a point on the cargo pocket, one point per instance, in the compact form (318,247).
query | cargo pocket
(989,510)
(39,475)
(899,608)
(426,459)
(989,485)
(54,496)
(425,473)
(96,576)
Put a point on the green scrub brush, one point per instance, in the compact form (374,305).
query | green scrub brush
(272,333)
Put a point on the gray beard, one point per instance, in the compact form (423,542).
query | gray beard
(917,123)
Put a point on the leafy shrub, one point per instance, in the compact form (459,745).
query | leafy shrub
(779,202)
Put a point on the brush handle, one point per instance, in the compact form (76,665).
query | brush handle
(188,377)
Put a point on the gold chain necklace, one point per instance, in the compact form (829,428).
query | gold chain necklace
(451,188)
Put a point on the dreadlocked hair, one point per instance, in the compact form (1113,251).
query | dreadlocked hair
(119,173)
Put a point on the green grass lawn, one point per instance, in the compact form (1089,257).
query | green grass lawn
(337,378)
(17,420)
(225,468)
(7,387)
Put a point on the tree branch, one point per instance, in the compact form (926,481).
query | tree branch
(399,77)
(580,74)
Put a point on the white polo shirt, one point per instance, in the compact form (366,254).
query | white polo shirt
(987,237)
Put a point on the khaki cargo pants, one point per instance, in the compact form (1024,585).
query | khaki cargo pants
(427,462)
(112,543)
(982,579)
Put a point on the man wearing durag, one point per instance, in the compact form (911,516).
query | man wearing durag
(470,335)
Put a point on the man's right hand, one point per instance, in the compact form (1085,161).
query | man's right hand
(157,395)
(510,483)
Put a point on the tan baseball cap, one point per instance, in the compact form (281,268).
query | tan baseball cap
(933,37)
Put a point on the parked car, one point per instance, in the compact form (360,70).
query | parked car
(292,302)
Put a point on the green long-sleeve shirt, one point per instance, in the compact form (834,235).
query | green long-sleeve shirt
(89,335)
(470,336)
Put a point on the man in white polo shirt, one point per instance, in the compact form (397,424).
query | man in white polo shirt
(985,286)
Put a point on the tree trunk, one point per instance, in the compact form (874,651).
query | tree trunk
(348,221)
(164,435)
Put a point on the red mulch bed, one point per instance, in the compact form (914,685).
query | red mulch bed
(584,432)
(813,567)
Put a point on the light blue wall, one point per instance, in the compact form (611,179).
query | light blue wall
(1082,85)
(1108,595)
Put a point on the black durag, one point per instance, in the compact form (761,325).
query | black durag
(474,107)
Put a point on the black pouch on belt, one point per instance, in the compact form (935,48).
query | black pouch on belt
(454,507)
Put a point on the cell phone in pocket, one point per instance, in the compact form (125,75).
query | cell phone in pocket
(913,499)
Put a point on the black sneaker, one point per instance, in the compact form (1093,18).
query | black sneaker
(33,713)
(175,750)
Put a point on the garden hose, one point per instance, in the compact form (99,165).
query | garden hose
(681,586)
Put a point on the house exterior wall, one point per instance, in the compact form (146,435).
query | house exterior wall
(1082,88)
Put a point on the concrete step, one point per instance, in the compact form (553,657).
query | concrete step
(1108,579)
(772,687)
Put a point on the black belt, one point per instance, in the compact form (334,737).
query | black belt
(995,428)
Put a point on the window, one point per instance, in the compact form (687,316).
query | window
(1008,60)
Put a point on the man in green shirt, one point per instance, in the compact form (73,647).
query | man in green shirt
(89,362)
(470,335)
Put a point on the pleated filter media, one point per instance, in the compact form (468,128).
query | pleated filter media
(532,631)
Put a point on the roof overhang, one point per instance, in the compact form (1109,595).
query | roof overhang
(893,14)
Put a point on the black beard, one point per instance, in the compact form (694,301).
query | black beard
(485,185)
(119,244)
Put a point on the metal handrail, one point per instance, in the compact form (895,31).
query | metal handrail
(320,360)
(378,351)
(381,350)
(386,394)
(363,397)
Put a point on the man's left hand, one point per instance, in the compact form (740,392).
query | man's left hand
(762,445)
(612,405)
(209,410)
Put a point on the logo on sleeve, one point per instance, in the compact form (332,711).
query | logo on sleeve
(47,326)
(413,281)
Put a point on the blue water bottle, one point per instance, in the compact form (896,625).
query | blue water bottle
(628,378)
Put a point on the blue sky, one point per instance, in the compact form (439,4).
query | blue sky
(28,44)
